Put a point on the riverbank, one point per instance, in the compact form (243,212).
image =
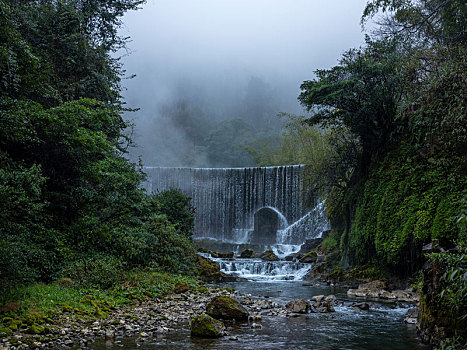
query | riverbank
(141,319)
(56,314)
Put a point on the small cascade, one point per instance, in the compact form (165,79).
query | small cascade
(259,270)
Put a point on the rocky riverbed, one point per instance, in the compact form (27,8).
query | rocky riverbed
(155,318)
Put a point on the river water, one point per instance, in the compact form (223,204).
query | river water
(381,327)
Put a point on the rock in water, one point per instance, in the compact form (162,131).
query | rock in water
(361,306)
(226,308)
(205,326)
(298,306)
(246,253)
(326,307)
(412,315)
(269,255)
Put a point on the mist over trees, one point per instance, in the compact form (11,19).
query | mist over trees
(223,63)
(196,132)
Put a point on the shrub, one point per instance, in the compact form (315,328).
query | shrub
(99,271)
(176,206)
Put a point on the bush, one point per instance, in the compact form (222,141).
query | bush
(173,251)
(176,206)
(329,244)
(99,271)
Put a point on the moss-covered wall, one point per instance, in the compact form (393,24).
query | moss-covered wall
(406,201)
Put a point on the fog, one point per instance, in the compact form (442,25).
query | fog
(212,75)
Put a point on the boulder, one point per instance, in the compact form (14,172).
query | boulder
(228,255)
(209,271)
(309,245)
(269,255)
(298,306)
(361,306)
(205,326)
(412,315)
(246,254)
(309,258)
(376,289)
(373,285)
(318,298)
(292,257)
(325,307)
(223,307)
(181,287)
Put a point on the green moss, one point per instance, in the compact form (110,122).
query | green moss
(404,203)
(246,253)
(36,329)
(224,307)
(7,331)
(181,287)
(66,307)
(207,327)
(203,289)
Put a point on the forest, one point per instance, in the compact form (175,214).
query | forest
(384,138)
(71,204)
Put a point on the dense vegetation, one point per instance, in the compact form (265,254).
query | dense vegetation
(71,204)
(398,103)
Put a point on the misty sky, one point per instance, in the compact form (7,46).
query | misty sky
(208,51)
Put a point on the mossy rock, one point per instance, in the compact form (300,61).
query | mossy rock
(6,331)
(269,255)
(227,255)
(65,282)
(247,253)
(223,307)
(309,258)
(181,287)
(205,326)
(36,329)
(66,307)
(208,270)
(203,289)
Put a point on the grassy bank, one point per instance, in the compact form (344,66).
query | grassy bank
(28,308)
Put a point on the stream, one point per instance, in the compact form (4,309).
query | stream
(382,327)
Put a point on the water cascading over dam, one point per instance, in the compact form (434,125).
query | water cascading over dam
(261,205)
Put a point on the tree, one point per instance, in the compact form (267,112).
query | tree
(330,155)
(53,51)
(433,21)
(362,93)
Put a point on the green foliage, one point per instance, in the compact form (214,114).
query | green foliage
(404,205)
(454,279)
(38,303)
(329,244)
(403,96)
(173,251)
(97,272)
(70,202)
(429,20)
(176,206)
(57,51)
(330,155)
(361,93)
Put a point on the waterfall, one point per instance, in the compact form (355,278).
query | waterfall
(227,199)
(257,269)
